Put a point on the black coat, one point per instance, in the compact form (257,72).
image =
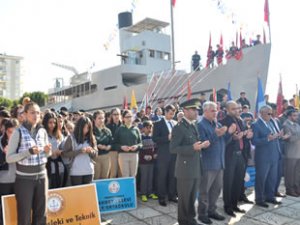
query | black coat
(234,145)
(161,138)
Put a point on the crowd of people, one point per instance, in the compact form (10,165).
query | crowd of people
(218,54)
(174,151)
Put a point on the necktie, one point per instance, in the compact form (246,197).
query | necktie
(275,126)
(240,140)
(171,125)
(271,127)
(274,131)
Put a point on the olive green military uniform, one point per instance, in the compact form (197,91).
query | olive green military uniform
(187,169)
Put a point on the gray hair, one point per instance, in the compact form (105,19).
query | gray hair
(264,108)
(208,104)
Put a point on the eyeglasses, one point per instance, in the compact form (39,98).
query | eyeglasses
(127,117)
(115,114)
(269,114)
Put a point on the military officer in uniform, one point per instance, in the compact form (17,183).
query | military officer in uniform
(186,144)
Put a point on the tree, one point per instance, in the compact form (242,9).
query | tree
(38,97)
(6,102)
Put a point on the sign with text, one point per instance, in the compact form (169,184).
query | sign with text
(76,205)
(116,194)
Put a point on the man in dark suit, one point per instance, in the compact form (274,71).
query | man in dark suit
(166,182)
(234,172)
(186,144)
(267,156)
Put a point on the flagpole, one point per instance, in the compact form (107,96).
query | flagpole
(269,29)
(267,10)
(172,37)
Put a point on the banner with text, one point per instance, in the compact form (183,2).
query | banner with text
(116,194)
(71,205)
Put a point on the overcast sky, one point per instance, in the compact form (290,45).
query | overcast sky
(73,32)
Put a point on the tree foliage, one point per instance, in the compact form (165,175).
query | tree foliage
(38,97)
(7,103)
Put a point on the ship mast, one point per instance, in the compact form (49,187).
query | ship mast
(172,3)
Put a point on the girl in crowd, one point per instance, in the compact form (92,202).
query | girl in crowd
(68,130)
(18,112)
(29,148)
(127,140)
(57,172)
(157,114)
(61,125)
(81,148)
(104,140)
(7,171)
(113,125)
(69,127)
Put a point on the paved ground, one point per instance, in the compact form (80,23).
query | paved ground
(151,213)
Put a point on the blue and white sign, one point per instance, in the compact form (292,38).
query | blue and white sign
(250,177)
(116,194)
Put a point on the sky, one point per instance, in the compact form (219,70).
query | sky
(73,32)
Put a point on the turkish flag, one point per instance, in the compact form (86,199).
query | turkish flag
(173,2)
(189,91)
(125,103)
(266,10)
(279,99)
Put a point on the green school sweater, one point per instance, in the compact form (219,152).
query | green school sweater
(127,136)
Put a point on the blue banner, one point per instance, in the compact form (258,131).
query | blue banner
(250,177)
(116,194)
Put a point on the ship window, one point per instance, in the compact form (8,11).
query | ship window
(110,88)
(166,56)
(160,54)
(151,53)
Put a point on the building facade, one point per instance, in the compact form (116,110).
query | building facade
(10,76)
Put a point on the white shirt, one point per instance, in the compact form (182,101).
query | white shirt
(169,125)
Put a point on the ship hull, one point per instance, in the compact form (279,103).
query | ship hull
(111,87)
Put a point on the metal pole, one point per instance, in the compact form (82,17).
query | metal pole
(269,23)
(172,38)
(270,30)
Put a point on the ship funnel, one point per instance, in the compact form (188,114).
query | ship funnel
(125,19)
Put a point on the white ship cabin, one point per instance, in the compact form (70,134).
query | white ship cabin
(145,48)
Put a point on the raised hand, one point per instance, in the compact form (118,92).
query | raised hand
(47,148)
(35,150)
(271,137)
(205,144)
(238,136)
(286,136)
(125,148)
(232,128)
(249,134)
(197,146)
(221,131)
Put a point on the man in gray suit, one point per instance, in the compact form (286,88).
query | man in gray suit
(213,159)
(186,144)
(292,154)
